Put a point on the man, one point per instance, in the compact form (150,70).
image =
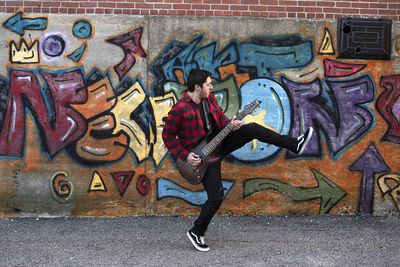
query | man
(197,116)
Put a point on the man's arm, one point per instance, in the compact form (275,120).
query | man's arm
(170,134)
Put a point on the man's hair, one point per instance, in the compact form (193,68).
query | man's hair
(197,76)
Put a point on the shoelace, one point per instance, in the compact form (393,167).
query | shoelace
(301,141)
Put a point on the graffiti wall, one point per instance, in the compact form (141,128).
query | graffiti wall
(82,102)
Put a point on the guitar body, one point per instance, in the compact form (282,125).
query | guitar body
(193,174)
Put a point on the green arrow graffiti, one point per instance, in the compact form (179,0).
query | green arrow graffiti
(329,193)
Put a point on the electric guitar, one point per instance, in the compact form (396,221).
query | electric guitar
(194,174)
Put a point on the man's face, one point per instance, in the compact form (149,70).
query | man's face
(206,88)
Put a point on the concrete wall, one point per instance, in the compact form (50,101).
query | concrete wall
(82,101)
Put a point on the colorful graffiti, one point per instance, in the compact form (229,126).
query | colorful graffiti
(100,129)
(76,112)
(388,106)
(329,193)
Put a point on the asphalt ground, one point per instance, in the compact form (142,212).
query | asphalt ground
(234,241)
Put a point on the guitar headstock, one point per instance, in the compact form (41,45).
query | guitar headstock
(248,109)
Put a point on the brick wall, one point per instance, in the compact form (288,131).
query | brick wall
(317,9)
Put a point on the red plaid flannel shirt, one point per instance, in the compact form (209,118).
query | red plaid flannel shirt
(184,127)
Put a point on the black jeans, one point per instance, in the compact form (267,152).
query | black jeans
(212,181)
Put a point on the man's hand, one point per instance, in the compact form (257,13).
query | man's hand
(193,159)
(236,124)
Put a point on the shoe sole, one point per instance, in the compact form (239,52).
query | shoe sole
(308,137)
(195,245)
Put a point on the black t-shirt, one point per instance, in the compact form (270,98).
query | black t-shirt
(214,128)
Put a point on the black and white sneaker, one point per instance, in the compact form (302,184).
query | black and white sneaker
(197,241)
(303,140)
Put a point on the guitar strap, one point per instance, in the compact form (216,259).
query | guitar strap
(206,111)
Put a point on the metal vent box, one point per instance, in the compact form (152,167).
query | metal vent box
(364,38)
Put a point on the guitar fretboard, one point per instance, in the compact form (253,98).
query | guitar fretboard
(210,147)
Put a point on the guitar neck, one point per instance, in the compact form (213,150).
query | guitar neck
(210,147)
